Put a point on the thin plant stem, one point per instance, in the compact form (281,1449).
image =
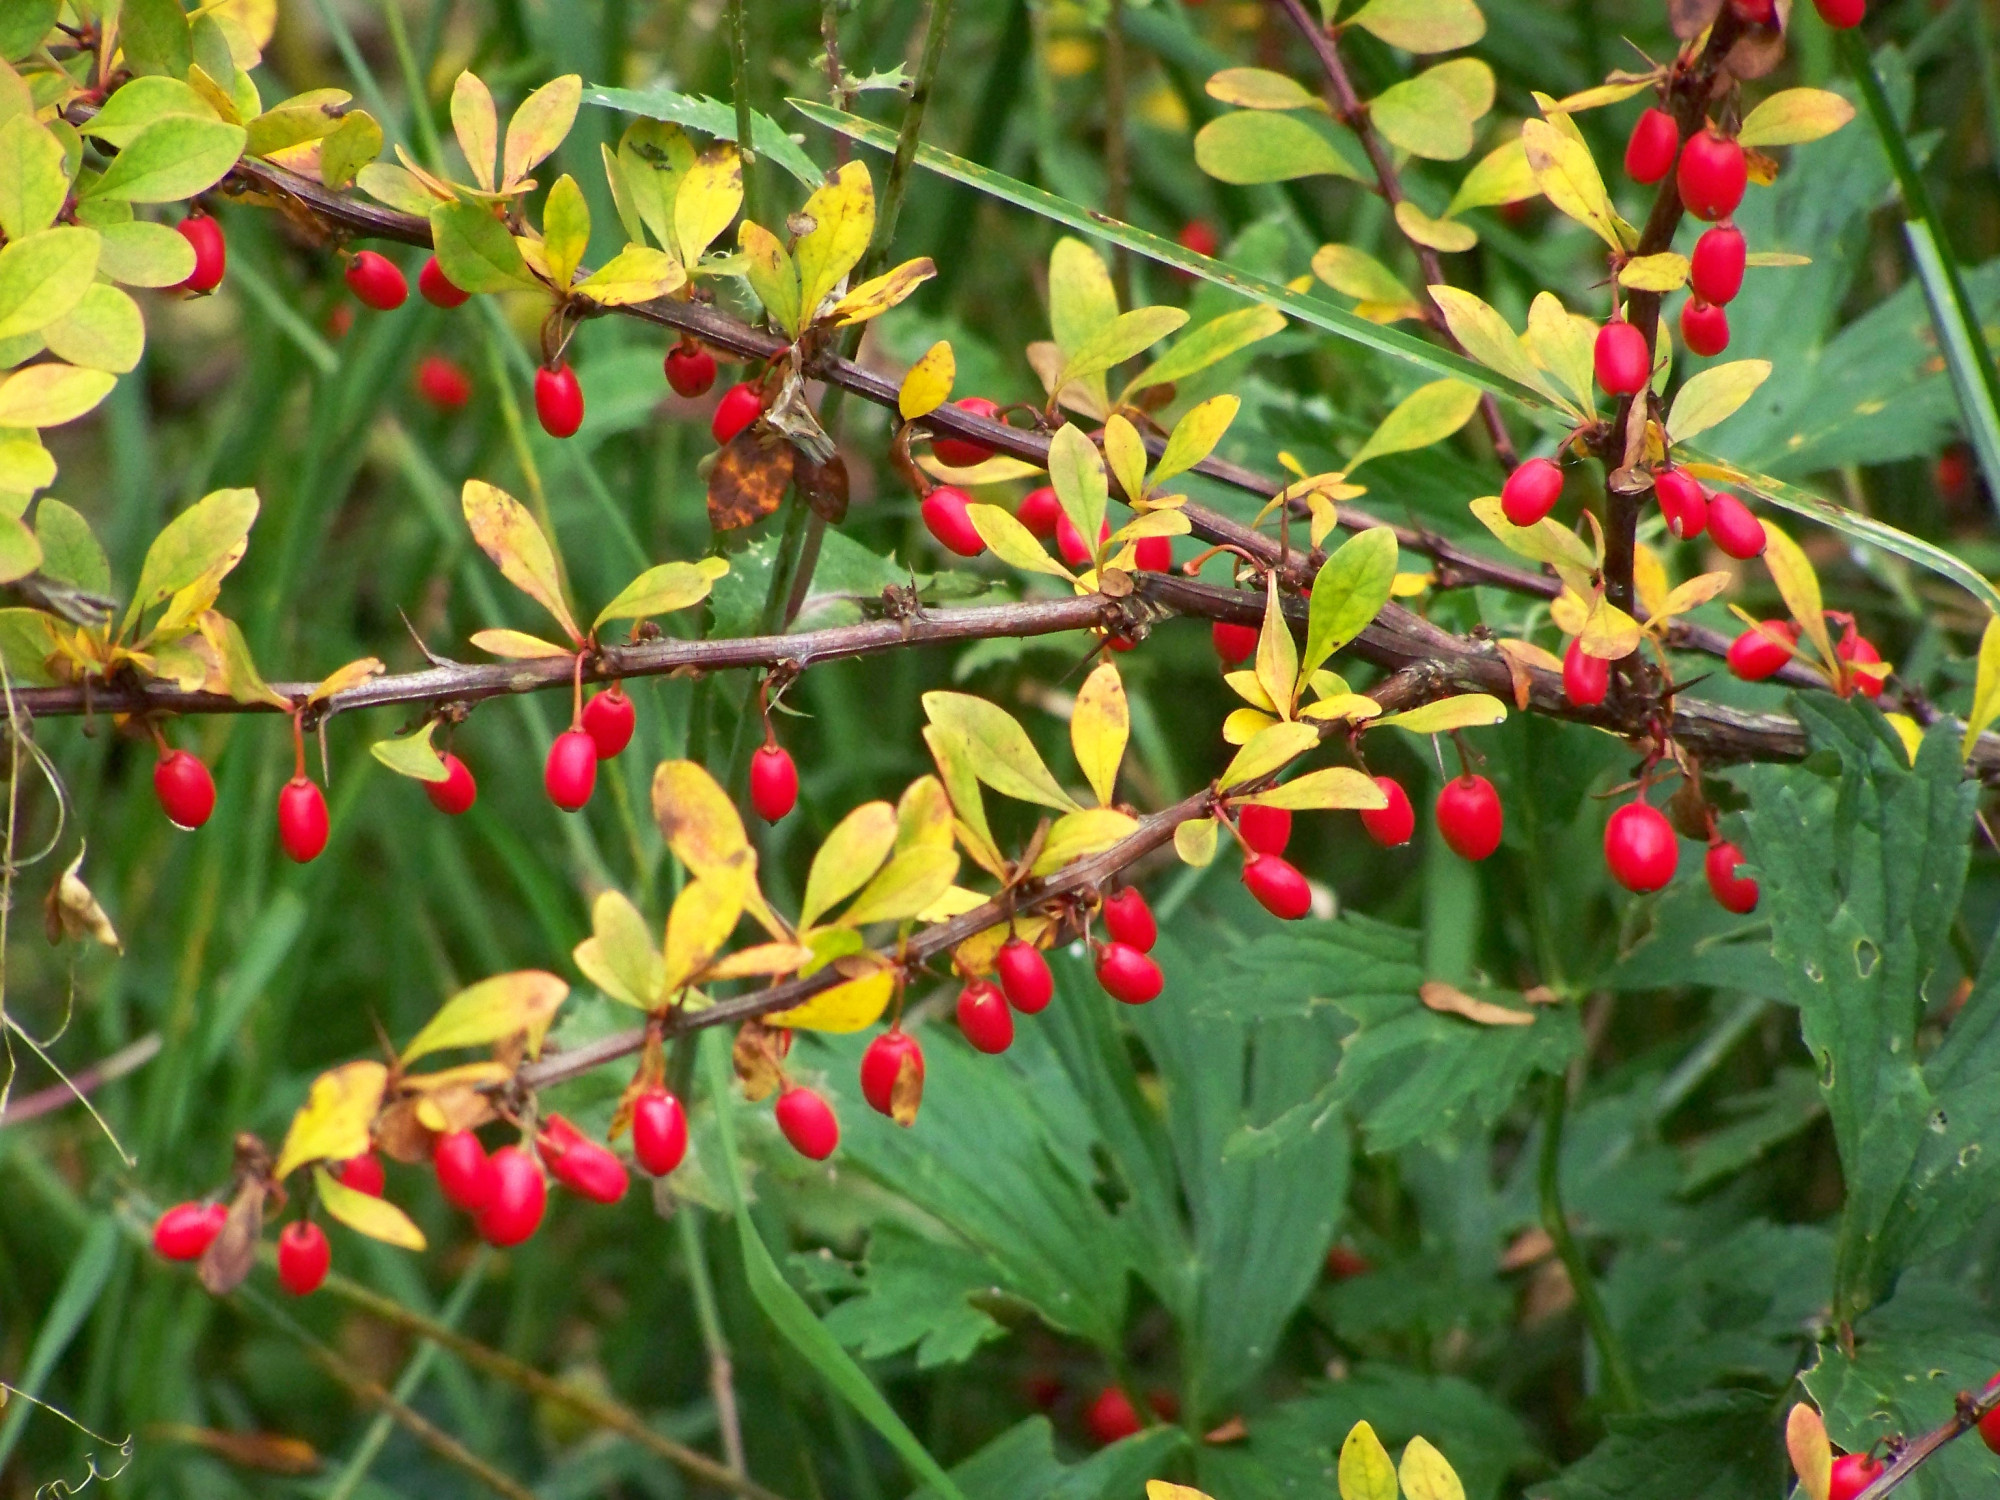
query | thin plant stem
(413,85)
(1619,1382)
(1117,173)
(721,1368)
(739,81)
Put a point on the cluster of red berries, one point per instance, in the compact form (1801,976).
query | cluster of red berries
(1763,649)
(1837,13)
(1688,506)
(186,792)
(600,732)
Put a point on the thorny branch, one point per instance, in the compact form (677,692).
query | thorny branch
(1966,1412)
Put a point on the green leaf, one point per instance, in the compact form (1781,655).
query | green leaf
(27,642)
(1429,414)
(25,466)
(172,158)
(475,250)
(102,332)
(773,276)
(48,395)
(848,859)
(1714,395)
(664,589)
(43,276)
(1349,592)
(1076,470)
(70,550)
(198,539)
(565,230)
(33,182)
(1195,435)
(23,25)
(914,1293)
(1252,146)
(142,254)
(1724,1443)
(1125,337)
(20,553)
(155,37)
(1003,755)
(1433,114)
(412,755)
(1422,25)
(1260,88)
(710,118)
(352,145)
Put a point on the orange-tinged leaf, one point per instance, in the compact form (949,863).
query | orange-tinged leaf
(928,385)
(1330,788)
(1811,1452)
(853,1006)
(700,823)
(342,678)
(332,1125)
(749,478)
(852,853)
(1365,1470)
(477,126)
(517,645)
(764,961)
(364,1213)
(507,534)
(1098,729)
(522,1003)
(539,125)
(1696,592)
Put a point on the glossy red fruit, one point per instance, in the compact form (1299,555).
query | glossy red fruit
(1128,976)
(437,288)
(1278,886)
(465,1172)
(1640,847)
(1649,154)
(808,1123)
(1681,502)
(608,719)
(1733,892)
(1859,650)
(659,1132)
(1153,554)
(185,1231)
(882,1065)
(1395,824)
(304,1257)
(579,1163)
(1989,1425)
(1762,649)
(571,773)
(1712,175)
(739,407)
(1266,829)
(1233,643)
(1716,267)
(984,1017)
(1704,327)
(302,821)
(1852,1473)
(1586,678)
(363,1173)
(1069,541)
(946,519)
(1623,362)
(962,453)
(519,1196)
(185,789)
(558,401)
(1732,527)
(1531,491)
(211,253)
(1111,1417)
(690,371)
(442,383)
(377,281)
(1129,919)
(1469,817)
(774,782)
(1024,976)
(457,792)
(1199,236)
(1841,13)
(1040,512)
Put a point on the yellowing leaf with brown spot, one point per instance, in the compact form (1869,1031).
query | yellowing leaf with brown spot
(508,535)
(507,1005)
(364,1213)
(708,198)
(772,274)
(851,855)
(843,216)
(539,126)
(1330,788)
(704,914)
(1098,729)
(1426,1475)
(1798,585)
(1365,1470)
(333,1123)
(1002,754)
(1462,711)
(852,1006)
(928,385)
(1793,117)
(1270,750)
(701,825)
(1079,835)
(1569,179)
(878,294)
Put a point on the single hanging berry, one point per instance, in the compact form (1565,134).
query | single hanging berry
(304,1257)
(1712,175)
(963,453)
(659,1131)
(1857,650)
(579,1163)
(1586,678)
(519,1196)
(1733,528)
(457,792)
(1111,1417)
(1622,361)
(1704,327)
(362,1173)
(1468,814)
(1841,14)
(1233,643)
(1989,1425)
(608,718)
(465,1173)
(774,782)
(1762,649)
(740,406)
(1266,829)
(211,253)
(185,789)
(1129,919)
(984,1017)
(558,400)
(1024,976)
(1128,976)
(1040,512)
(808,1122)
(185,1231)
(1278,886)
(1715,270)
(1199,236)
(946,519)
(1649,154)
(437,288)
(1682,503)
(1394,825)
(1733,892)
(1852,1473)
(377,281)
(1641,848)
(571,773)
(442,383)
(690,370)
(882,1064)
(302,823)
(1531,491)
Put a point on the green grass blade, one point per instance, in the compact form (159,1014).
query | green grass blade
(1963,346)
(74,1300)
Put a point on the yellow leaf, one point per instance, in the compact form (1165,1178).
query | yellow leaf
(364,1213)
(1126,337)
(1487,337)
(708,198)
(852,853)
(342,678)
(1665,272)
(923,816)
(618,957)
(700,823)
(764,961)
(1277,652)
(1244,724)
(1081,299)
(1341,706)
(1359,275)
(842,212)
(333,1123)
(1194,841)
(1561,343)
(638,273)
(516,645)
(878,294)
(1501,176)
(1696,592)
(539,126)
(508,535)
(1569,179)
(664,589)
(477,125)
(928,384)
(1195,435)
(1246,686)
(1445,234)
(1002,754)
(1798,586)
(1098,728)
(1462,711)
(1365,1470)
(1260,88)
(853,1006)
(1714,394)
(1422,25)
(1125,456)
(1426,1475)
(1012,542)
(1909,732)
(1330,788)
(1546,541)
(1076,470)
(952,752)
(1609,633)
(1151,523)
(565,231)
(1649,579)
(493,1010)
(704,914)
(1793,117)
(1452,1001)
(1079,835)
(1811,1452)
(1429,414)
(1985,689)
(49,394)
(1270,750)
(772,274)
(907,885)
(1775,258)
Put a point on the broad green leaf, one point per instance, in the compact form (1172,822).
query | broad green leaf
(412,755)
(927,386)
(1793,117)
(1098,728)
(365,1213)
(475,250)
(1277,658)
(1985,689)
(1126,337)
(476,123)
(565,230)
(538,127)
(333,1123)
(1503,175)
(1569,179)
(24,24)
(1260,88)
(1079,835)
(104,331)
(1365,1470)
(1012,542)
(1433,114)
(1715,394)
(42,277)
(172,158)
(848,859)
(1328,789)
(1422,25)
(1194,437)
(33,183)
(843,218)
(138,253)
(1269,750)
(1076,470)
(1561,343)
(156,37)
(1429,414)
(1252,146)
(1212,342)
(773,276)
(1349,592)
(70,551)
(521,1004)
(1487,336)
(215,528)
(1464,711)
(638,273)
(707,201)
(1003,755)
(508,535)
(663,589)
(905,886)
(48,395)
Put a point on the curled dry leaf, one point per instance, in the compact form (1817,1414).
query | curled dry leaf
(748,480)
(1451,1000)
(72,910)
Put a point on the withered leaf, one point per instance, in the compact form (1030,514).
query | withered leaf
(825,487)
(755,1055)
(907,1092)
(228,1261)
(748,480)
(1451,1000)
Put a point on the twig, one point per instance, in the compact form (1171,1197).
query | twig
(127,1059)
(721,1369)
(1913,1455)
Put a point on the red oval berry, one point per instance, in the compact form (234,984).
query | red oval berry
(1858,650)
(1681,502)
(519,1196)
(1841,14)
(1266,829)
(437,288)
(443,383)
(946,519)
(1129,919)
(302,823)
(1704,327)
(608,719)
(465,1173)
(1111,1417)
(1153,554)
(1531,491)
(457,792)
(1763,649)
(211,253)
(1199,236)
(1128,976)
(1024,976)
(739,407)
(377,281)
(1469,817)
(1395,824)
(1989,1425)
(185,1231)
(558,401)
(571,773)
(1040,512)
(362,1173)
(882,1065)
(984,1017)
(1622,361)
(659,1131)
(1278,886)
(579,1163)
(809,1123)
(1649,154)
(304,1257)
(1586,678)
(1233,643)
(1715,270)
(1732,527)
(1712,175)
(774,782)
(1069,541)
(1852,1473)
(185,789)
(690,370)
(1641,848)
(1733,892)
(963,453)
